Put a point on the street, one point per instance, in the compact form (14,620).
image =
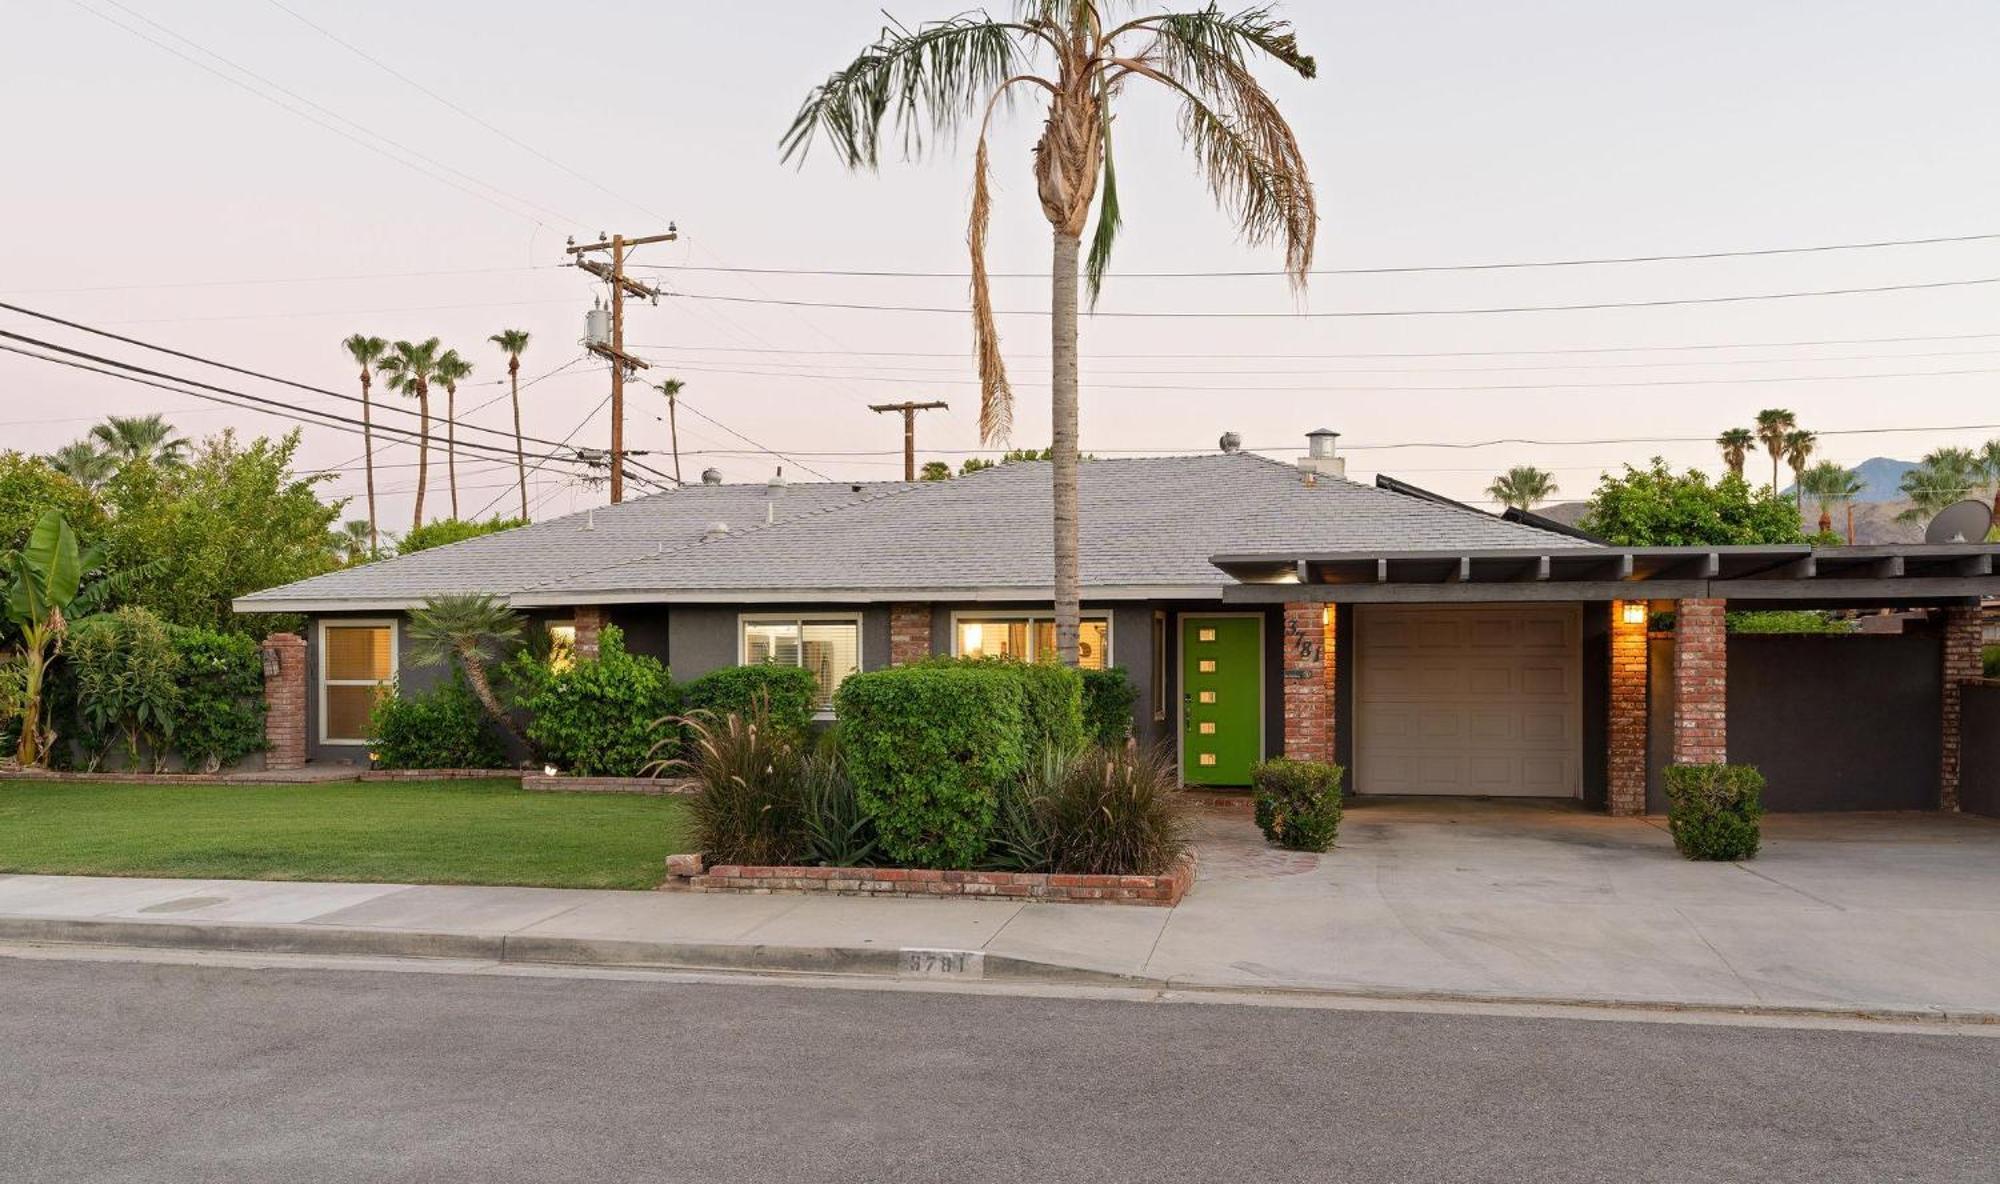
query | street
(160,1072)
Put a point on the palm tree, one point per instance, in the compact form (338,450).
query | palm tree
(141,437)
(84,463)
(513,342)
(354,542)
(1832,484)
(1799,446)
(1771,428)
(672,388)
(1989,461)
(1522,486)
(410,368)
(938,76)
(1736,444)
(474,630)
(1946,475)
(451,370)
(366,352)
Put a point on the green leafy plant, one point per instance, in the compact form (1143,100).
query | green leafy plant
(1051,700)
(1656,507)
(790,693)
(602,716)
(1108,697)
(1787,621)
(1114,812)
(45,586)
(446,531)
(127,675)
(1989,661)
(929,746)
(839,830)
(1298,803)
(750,808)
(1712,810)
(445,728)
(472,631)
(221,714)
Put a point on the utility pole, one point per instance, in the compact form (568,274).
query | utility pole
(909,411)
(613,274)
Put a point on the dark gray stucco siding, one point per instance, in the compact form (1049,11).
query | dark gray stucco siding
(1343,690)
(646,628)
(1596,702)
(1979,735)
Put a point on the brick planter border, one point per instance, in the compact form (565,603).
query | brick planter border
(687,873)
(543,783)
(440,774)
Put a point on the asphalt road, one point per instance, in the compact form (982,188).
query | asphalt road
(166,1073)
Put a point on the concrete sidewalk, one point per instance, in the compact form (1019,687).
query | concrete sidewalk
(1890,915)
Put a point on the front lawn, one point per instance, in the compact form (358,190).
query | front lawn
(411,832)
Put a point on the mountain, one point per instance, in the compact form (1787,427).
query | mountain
(1883,478)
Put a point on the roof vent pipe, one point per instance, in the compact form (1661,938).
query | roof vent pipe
(1320,459)
(711,476)
(716,530)
(1232,442)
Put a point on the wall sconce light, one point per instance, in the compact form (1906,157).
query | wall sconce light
(1326,615)
(271,666)
(1635,612)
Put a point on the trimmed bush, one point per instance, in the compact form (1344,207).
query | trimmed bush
(929,746)
(443,729)
(791,693)
(221,716)
(1298,803)
(1051,700)
(603,717)
(1712,810)
(1108,698)
(1114,812)
(751,805)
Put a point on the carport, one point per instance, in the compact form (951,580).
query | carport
(1518,673)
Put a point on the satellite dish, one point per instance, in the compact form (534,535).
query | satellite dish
(1961,522)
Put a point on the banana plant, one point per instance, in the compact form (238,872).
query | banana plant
(44,587)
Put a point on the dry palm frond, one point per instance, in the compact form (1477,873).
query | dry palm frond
(996,397)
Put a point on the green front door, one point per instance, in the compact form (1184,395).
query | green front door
(1222,700)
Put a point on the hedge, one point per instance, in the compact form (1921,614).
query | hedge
(221,715)
(1108,699)
(792,693)
(445,728)
(601,717)
(929,747)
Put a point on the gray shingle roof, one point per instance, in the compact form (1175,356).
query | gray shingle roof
(1146,523)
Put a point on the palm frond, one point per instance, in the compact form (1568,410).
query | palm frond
(1109,219)
(996,397)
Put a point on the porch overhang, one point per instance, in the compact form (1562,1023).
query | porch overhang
(1793,574)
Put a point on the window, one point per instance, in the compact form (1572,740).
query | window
(562,645)
(830,647)
(1029,638)
(1159,665)
(357,667)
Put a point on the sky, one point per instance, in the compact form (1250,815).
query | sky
(425,185)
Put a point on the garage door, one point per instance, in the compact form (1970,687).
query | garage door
(1468,700)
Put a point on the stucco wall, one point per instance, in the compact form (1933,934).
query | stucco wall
(1979,777)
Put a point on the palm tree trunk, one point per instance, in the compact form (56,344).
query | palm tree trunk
(520,461)
(475,674)
(423,453)
(674,434)
(1825,520)
(1850,524)
(368,459)
(451,443)
(1062,407)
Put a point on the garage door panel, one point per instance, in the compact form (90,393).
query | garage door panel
(1479,700)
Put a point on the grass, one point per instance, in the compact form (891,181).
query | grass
(411,832)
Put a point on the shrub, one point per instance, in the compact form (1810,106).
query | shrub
(839,830)
(1114,812)
(601,717)
(1051,706)
(1712,810)
(1989,661)
(1108,698)
(221,716)
(791,693)
(1788,621)
(750,808)
(127,681)
(444,729)
(446,531)
(929,746)
(1298,803)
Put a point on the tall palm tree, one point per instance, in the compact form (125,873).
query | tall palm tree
(84,463)
(1946,475)
(1522,486)
(672,388)
(410,367)
(919,84)
(1771,428)
(474,630)
(513,343)
(1832,484)
(1736,444)
(366,352)
(141,437)
(1799,446)
(354,542)
(451,370)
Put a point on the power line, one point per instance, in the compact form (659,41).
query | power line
(581,424)
(306,279)
(1358,313)
(747,440)
(861,273)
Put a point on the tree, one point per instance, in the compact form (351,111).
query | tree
(446,531)
(1831,485)
(44,587)
(938,76)
(1989,462)
(1771,428)
(474,630)
(1799,446)
(411,367)
(935,470)
(367,352)
(29,488)
(1522,486)
(353,542)
(671,388)
(972,464)
(1945,475)
(141,437)
(451,370)
(1656,507)
(84,462)
(1736,444)
(513,343)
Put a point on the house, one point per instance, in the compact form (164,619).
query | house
(1261,608)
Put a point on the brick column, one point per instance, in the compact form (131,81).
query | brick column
(1625,779)
(284,701)
(909,633)
(590,621)
(1961,665)
(1308,697)
(1701,683)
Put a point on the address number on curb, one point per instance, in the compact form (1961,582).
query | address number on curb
(942,964)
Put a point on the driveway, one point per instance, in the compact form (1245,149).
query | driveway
(1541,899)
